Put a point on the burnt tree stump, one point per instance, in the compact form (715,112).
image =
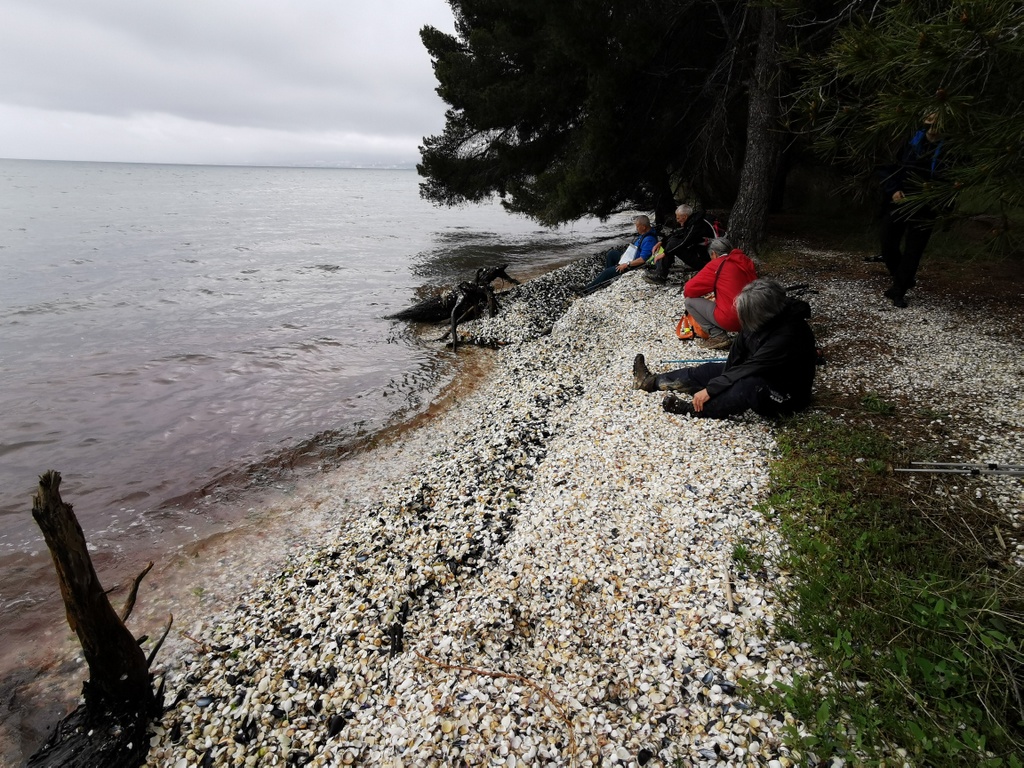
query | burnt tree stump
(110,728)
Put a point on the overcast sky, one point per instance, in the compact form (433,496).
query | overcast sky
(278,82)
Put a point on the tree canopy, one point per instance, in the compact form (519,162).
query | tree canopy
(594,106)
(569,109)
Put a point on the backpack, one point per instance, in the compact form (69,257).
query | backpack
(689,328)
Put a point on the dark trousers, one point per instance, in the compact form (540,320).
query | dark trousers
(611,261)
(749,394)
(904,237)
(662,267)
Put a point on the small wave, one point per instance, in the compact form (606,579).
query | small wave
(6,448)
(52,308)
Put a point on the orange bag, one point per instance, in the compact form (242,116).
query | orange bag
(689,328)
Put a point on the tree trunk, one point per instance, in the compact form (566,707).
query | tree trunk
(110,729)
(761,159)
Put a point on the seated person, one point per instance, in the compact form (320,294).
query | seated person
(688,241)
(645,240)
(724,276)
(769,370)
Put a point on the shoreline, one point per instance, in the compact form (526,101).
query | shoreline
(558,529)
(268,519)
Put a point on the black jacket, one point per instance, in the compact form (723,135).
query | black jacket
(782,352)
(690,241)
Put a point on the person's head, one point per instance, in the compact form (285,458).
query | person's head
(642,223)
(759,302)
(719,247)
(683,212)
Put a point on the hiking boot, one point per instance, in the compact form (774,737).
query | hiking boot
(673,404)
(642,377)
(895,295)
(655,279)
(717,342)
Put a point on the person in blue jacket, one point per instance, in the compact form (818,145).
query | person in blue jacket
(906,227)
(645,240)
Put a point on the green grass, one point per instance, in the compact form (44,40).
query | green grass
(900,597)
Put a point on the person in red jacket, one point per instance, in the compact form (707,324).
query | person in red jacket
(729,270)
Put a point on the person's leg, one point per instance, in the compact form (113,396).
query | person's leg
(695,258)
(664,266)
(611,261)
(919,231)
(703,311)
(688,380)
(750,394)
(891,236)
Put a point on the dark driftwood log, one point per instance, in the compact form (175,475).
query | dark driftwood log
(110,728)
(463,303)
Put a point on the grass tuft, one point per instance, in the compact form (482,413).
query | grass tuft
(920,628)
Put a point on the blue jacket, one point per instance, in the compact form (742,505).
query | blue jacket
(645,244)
(919,161)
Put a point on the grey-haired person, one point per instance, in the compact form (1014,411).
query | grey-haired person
(723,277)
(645,240)
(770,368)
(688,242)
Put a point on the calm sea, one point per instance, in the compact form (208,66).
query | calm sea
(170,331)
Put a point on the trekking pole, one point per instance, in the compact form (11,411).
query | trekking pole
(955,468)
(696,360)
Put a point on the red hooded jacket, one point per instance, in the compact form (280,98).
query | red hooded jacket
(724,277)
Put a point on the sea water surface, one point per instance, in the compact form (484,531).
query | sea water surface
(171,333)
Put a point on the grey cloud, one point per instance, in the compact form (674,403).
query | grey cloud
(310,66)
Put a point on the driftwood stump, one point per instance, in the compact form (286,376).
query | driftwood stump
(109,729)
(467,302)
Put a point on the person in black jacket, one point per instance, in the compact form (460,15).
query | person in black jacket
(769,370)
(687,242)
(906,228)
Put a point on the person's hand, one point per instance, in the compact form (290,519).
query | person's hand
(897,195)
(623,267)
(659,256)
(699,399)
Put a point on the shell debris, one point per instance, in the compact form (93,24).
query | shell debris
(536,578)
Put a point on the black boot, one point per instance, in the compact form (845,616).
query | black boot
(673,404)
(895,294)
(642,377)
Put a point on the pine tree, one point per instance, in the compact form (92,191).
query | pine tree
(896,62)
(569,109)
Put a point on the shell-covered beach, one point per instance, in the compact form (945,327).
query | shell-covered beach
(544,574)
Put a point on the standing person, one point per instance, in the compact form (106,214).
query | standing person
(724,276)
(906,227)
(688,241)
(769,370)
(645,240)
